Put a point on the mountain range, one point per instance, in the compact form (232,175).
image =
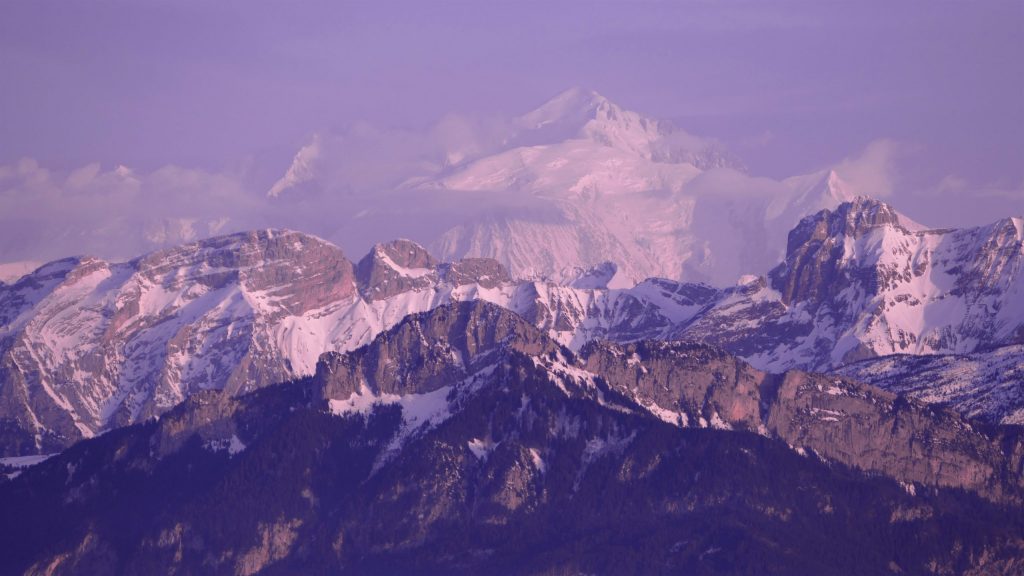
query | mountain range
(87,345)
(258,403)
(625,356)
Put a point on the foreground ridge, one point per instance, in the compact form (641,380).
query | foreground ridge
(465,439)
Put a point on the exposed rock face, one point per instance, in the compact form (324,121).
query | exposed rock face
(243,311)
(864,282)
(858,282)
(877,431)
(813,271)
(531,463)
(871,286)
(430,350)
(686,384)
(396,267)
(836,418)
(299,272)
(87,343)
(484,272)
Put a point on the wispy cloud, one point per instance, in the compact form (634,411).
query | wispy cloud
(115,212)
(874,171)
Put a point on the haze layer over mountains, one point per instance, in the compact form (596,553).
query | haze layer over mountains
(572,183)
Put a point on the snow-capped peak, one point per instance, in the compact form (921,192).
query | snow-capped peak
(574,105)
(581,114)
(395,267)
(819,191)
(830,190)
(302,168)
(603,275)
(405,257)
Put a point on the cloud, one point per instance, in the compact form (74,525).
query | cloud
(760,140)
(950,184)
(353,187)
(117,213)
(366,184)
(365,159)
(873,172)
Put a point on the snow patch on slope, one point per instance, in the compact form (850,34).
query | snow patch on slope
(418,410)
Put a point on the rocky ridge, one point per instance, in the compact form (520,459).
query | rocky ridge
(86,345)
(464,457)
(685,384)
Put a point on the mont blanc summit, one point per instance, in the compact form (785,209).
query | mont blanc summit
(574,183)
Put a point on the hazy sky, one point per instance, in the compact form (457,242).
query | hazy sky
(233,89)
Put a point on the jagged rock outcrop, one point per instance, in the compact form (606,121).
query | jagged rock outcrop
(813,271)
(683,383)
(88,345)
(688,385)
(396,267)
(243,311)
(483,272)
(878,431)
(873,286)
(836,418)
(864,282)
(430,350)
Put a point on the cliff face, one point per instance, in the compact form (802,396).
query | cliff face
(396,267)
(816,249)
(89,344)
(430,350)
(690,385)
(874,287)
(835,418)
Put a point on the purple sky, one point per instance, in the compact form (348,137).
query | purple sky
(237,87)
